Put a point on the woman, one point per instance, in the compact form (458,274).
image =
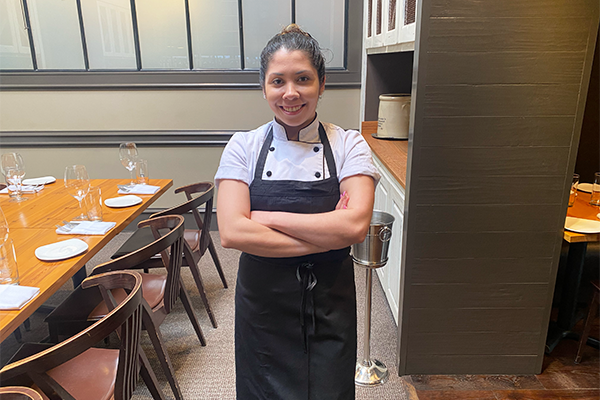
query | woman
(279,202)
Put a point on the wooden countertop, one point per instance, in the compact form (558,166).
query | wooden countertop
(392,153)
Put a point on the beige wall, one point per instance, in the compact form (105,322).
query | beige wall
(148,110)
(164,109)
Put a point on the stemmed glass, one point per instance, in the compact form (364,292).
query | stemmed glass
(13,168)
(3,228)
(77,183)
(129,155)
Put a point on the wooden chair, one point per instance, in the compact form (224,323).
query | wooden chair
(17,332)
(593,309)
(197,241)
(73,369)
(160,292)
(19,393)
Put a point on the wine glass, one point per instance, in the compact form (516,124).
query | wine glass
(129,155)
(77,183)
(3,228)
(13,168)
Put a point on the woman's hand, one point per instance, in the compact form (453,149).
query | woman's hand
(343,203)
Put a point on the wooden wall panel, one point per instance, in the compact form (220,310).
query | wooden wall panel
(485,244)
(489,35)
(498,295)
(503,9)
(442,320)
(504,68)
(483,270)
(439,364)
(501,100)
(497,131)
(498,95)
(488,218)
(475,343)
(543,190)
(482,163)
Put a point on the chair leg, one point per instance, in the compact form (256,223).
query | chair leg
(588,325)
(17,335)
(215,257)
(187,304)
(27,325)
(200,285)
(149,377)
(161,352)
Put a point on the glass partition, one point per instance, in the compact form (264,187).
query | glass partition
(109,34)
(56,34)
(163,34)
(14,43)
(215,34)
(327,26)
(262,20)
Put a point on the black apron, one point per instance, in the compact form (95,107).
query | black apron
(295,317)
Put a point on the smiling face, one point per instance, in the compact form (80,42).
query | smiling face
(292,89)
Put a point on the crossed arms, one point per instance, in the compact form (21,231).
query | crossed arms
(284,234)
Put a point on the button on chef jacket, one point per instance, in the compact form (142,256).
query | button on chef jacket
(301,160)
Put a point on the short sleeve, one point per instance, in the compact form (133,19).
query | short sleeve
(357,158)
(234,160)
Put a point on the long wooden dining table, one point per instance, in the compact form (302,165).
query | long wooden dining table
(567,312)
(32,224)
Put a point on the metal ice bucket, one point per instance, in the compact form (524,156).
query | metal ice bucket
(373,251)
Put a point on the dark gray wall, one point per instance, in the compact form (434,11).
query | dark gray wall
(499,90)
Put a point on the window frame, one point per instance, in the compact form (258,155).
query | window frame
(348,77)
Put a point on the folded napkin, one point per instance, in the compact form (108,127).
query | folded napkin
(13,297)
(88,228)
(26,188)
(140,189)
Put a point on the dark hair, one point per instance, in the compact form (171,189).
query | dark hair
(293,38)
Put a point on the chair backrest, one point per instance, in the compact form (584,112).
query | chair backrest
(125,318)
(169,245)
(19,393)
(204,192)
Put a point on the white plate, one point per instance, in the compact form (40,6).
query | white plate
(585,187)
(44,180)
(61,250)
(581,225)
(123,201)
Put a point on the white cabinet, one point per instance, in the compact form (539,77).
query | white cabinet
(375,32)
(389,197)
(406,28)
(390,25)
(392,21)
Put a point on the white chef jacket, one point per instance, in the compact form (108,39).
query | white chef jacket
(301,160)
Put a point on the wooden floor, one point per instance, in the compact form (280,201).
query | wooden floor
(561,379)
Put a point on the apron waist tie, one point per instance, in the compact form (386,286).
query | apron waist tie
(308,280)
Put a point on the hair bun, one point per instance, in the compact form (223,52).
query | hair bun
(294,28)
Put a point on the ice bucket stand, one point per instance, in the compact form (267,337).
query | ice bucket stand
(370,371)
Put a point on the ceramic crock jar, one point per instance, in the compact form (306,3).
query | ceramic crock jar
(394,116)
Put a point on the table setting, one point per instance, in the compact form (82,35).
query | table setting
(55,229)
(582,226)
(23,189)
(12,295)
(13,169)
(583,214)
